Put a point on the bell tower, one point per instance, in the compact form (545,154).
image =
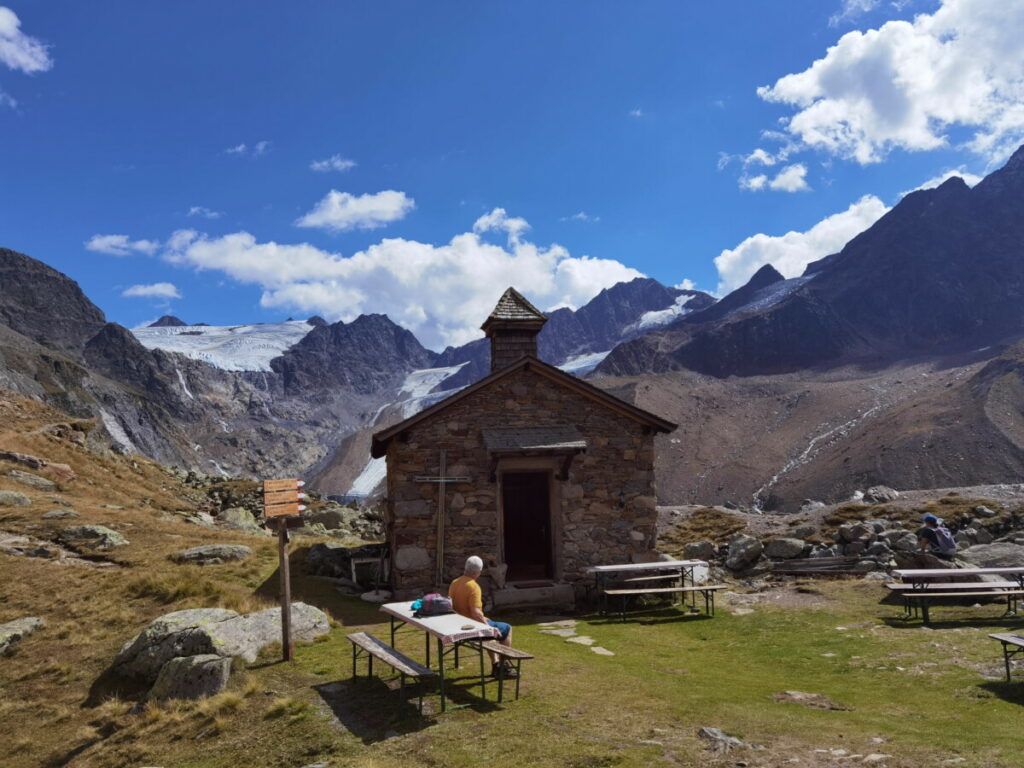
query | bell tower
(512,328)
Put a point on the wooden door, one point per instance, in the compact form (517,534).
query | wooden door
(526,502)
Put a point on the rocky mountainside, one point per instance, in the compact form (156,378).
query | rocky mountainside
(943,271)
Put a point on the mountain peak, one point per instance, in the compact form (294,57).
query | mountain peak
(167,321)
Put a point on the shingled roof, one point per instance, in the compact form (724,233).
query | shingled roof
(513,306)
(648,419)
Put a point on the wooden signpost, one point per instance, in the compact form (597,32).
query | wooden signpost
(281,504)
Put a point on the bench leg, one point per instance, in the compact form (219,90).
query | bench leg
(501,681)
(483,679)
(924,612)
(519,675)
(369,671)
(440,664)
(353,661)
(457,656)
(1006,660)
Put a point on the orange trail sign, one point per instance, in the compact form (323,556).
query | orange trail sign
(279,510)
(282,485)
(282,497)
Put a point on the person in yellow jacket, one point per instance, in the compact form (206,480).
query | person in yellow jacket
(468,601)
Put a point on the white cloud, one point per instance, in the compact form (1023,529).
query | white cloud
(754,183)
(687,285)
(582,216)
(153,291)
(340,211)
(119,245)
(637,112)
(440,292)
(333,163)
(792,252)
(759,157)
(792,178)
(204,212)
(969,178)
(851,10)
(258,149)
(905,84)
(19,51)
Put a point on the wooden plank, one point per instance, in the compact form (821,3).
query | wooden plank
(280,485)
(510,653)
(951,586)
(282,497)
(937,593)
(387,654)
(1011,639)
(662,590)
(280,510)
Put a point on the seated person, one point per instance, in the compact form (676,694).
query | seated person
(935,538)
(467,600)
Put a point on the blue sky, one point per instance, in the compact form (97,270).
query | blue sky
(166,150)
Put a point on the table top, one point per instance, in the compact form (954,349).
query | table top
(927,573)
(625,567)
(449,628)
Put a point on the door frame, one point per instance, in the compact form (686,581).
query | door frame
(542,465)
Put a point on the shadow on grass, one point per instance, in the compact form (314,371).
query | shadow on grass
(349,610)
(110,685)
(1012,692)
(648,615)
(371,708)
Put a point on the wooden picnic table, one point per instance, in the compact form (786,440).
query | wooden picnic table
(921,576)
(451,631)
(920,586)
(639,573)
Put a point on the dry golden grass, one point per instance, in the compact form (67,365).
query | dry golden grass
(704,524)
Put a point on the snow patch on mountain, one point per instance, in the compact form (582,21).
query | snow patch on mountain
(659,317)
(373,474)
(773,294)
(117,432)
(229,347)
(580,364)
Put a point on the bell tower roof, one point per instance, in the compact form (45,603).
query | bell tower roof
(513,307)
(512,328)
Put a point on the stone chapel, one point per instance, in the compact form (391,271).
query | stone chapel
(536,471)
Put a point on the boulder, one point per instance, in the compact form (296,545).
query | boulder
(32,481)
(983,511)
(700,550)
(879,494)
(805,531)
(215,631)
(744,551)
(719,741)
(24,459)
(809,505)
(850,532)
(213,554)
(854,548)
(983,536)
(12,632)
(332,518)
(14,499)
(785,548)
(60,514)
(191,677)
(999,554)
(97,538)
(878,549)
(906,542)
(241,519)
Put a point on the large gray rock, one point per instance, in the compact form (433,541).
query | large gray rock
(14,499)
(216,631)
(32,481)
(851,532)
(191,677)
(983,511)
(744,551)
(879,494)
(213,554)
(241,519)
(60,514)
(719,741)
(1000,554)
(12,632)
(700,550)
(335,559)
(784,548)
(331,518)
(97,538)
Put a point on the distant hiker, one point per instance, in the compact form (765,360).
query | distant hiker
(935,538)
(467,599)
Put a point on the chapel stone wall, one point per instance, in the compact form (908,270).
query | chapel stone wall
(606,508)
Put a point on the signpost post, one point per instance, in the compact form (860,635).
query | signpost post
(281,504)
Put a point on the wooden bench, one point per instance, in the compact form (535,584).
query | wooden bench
(1012,645)
(921,597)
(365,644)
(707,590)
(506,654)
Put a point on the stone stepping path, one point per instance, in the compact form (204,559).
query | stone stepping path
(566,628)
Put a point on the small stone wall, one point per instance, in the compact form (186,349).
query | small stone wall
(604,513)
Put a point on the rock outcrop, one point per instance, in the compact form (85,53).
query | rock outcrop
(12,632)
(213,554)
(191,677)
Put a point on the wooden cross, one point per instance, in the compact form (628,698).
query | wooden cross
(441,478)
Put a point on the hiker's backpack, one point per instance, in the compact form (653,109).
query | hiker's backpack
(947,544)
(434,605)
